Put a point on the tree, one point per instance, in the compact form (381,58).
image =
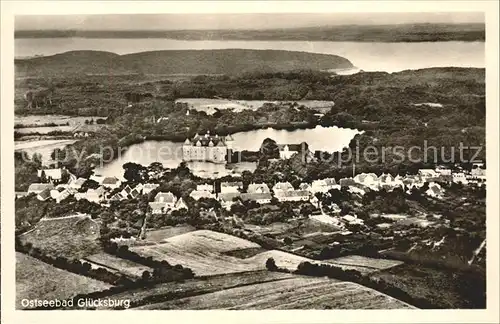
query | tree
(269,149)
(271,265)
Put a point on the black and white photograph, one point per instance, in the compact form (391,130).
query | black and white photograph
(250,161)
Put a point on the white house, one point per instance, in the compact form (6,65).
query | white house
(323,185)
(226,187)
(126,191)
(435,190)
(198,194)
(282,186)
(167,198)
(427,174)
(65,194)
(459,177)
(51,175)
(443,171)
(157,207)
(78,183)
(258,188)
(36,188)
(205,187)
(288,150)
(352,220)
(367,179)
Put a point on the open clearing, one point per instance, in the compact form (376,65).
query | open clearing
(71,236)
(56,119)
(159,235)
(38,280)
(126,267)
(294,293)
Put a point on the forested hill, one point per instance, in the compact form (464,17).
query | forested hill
(225,61)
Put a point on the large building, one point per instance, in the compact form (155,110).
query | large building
(209,148)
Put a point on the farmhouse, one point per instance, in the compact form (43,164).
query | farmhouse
(323,185)
(198,194)
(258,188)
(261,198)
(205,187)
(459,177)
(36,188)
(226,187)
(282,186)
(167,198)
(292,195)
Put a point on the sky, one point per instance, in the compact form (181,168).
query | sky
(233,21)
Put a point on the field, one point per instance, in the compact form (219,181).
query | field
(41,120)
(126,267)
(208,105)
(71,236)
(157,236)
(44,147)
(293,293)
(43,129)
(38,280)
(176,290)
(364,264)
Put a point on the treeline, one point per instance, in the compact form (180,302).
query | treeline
(74,266)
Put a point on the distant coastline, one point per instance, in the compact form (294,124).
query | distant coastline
(354,33)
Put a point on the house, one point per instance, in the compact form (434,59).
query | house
(167,198)
(352,220)
(259,197)
(20,194)
(180,204)
(459,177)
(78,183)
(347,182)
(198,194)
(126,191)
(367,179)
(288,150)
(427,174)
(478,172)
(282,186)
(157,207)
(111,182)
(323,185)
(134,193)
(227,199)
(44,194)
(305,186)
(386,179)
(50,175)
(117,197)
(54,193)
(93,195)
(314,201)
(205,187)
(258,188)
(36,188)
(226,187)
(435,191)
(292,195)
(65,194)
(443,171)
(148,187)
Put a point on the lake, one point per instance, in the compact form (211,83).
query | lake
(374,56)
(170,154)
